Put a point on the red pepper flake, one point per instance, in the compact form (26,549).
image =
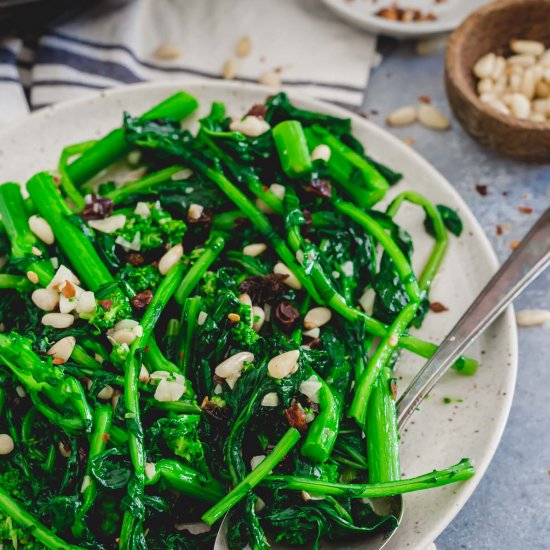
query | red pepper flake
(438,307)
(68,290)
(525,209)
(425,99)
(514,244)
(105,438)
(482,189)
(105,304)
(57,361)
(296,417)
(498,229)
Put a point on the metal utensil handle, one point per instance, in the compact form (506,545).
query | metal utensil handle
(525,263)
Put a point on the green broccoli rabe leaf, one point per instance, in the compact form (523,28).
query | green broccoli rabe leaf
(451,219)
(112,468)
(156,230)
(145,277)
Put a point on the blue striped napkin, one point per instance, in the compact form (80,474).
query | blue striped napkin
(297,41)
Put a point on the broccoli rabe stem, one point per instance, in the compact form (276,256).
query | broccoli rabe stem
(291,437)
(114,145)
(382,434)
(363,386)
(291,145)
(161,297)
(22,240)
(441,236)
(15,282)
(189,318)
(144,186)
(40,532)
(345,163)
(74,243)
(73,194)
(186,480)
(98,442)
(459,472)
(211,251)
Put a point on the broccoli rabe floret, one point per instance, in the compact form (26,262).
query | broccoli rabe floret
(110,309)
(244,334)
(11,535)
(141,278)
(156,230)
(118,354)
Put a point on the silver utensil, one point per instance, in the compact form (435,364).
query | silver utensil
(522,267)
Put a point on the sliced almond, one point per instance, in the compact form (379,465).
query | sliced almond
(243,46)
(250,125)
(271,79)
(258,318)
(229,69)
(168,52)
(45,298)
(321,152)
(233,365)
(270,399)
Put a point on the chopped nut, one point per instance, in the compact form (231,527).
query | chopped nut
(271,79)
(438,307)
(532,317)
(167,52)
(243,47)
(229,69)
(402,116)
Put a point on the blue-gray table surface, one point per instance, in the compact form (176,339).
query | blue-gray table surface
(511,507)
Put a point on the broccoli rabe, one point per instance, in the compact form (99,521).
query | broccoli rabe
(111,307)
(11,534)
(244,334)
(140,278)
(155,230)
(118,354)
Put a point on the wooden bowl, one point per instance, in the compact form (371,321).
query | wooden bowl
(490,29)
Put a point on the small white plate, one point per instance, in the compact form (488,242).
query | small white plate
(449,14)
(439,435)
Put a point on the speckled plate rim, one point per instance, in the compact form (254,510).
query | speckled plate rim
(351,12)
(507,325)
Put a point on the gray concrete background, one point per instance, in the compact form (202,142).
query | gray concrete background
(511,507)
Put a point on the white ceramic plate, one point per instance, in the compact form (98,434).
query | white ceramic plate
(438,435)
(449,13)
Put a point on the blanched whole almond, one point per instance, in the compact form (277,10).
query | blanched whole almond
(271,79)
(520,106)
(233,365)
(58,320)
(254,249)
(432,118)
(284,364)
(310,388)
(63,348)
(402,116)
(317,317)
(144,375)
(291,279)
(321,152)
(171,258)
(258,318)
(32,277)
(108,225)
(532,317)
(41,228)
(250,125)
(6,444)
(45,298)
(270,399)
(229,69)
